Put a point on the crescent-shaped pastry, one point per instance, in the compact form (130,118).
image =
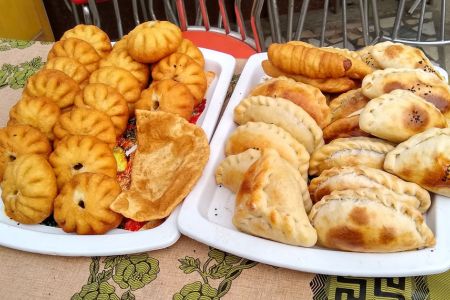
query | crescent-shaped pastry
(18,140)
(86,121)
(307,97)
(153,40)
(259,135)
(169,96)
(169,159)
(187,47)
(353,151)
(421,83)
(96,37)
(396,55)
(353,178)
(326,85)
(398,115)
(347,103)
(54,85)
(343,128)
(108,100)
(40,112)
(77,49)
(269,203)
(423,159)
(70,67)
(283,113)
(122,80)
(367,57)
(183,69)
(369,221)
(122,59)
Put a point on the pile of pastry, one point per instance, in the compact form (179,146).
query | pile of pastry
(56,153)
(353,173)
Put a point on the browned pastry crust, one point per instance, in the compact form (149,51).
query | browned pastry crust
(70,67)
(96,37)
(347,103)
(343,128)
(77,49)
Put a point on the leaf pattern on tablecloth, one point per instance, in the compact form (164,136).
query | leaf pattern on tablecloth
(7,44)
(219,266)
(128,272)
(15,76)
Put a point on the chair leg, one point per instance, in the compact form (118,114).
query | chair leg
(86,14)
(118,18)
(290,19)
(376,21)
(255,22)
(144,10)
(422,15)
(75,13)
(94,11)
(398,19)
(344,23)
(364,22)
(301,20)
(134,7)
(324,22)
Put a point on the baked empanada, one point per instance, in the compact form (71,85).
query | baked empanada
(169,160)
(369,221)
(168,95)
(108,100)
(259,135)
(283,113)
(327,85)
(77,49)
(353,151)
(269,203)
(343,128)
(421,83)
(396,55)
(352,178)
(187,47)
(86,121)
(183,69)
(307,97)
(70,67)
(347,103)
(122,59)
(40,112)
(398,115)
(367,57)
(54,85)
(91,34)
(423,159)
(153,40)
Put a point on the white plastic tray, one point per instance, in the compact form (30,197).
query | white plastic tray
(54,241)
(207,212)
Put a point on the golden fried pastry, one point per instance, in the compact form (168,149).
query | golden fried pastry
(398,115)
(17,140)
(369,221)
(169,160)
(307,97)
(348,152)
(187,47)
(77,49)
(396,55)
(282,113)
(28,189)
(353,178)
(108,100)
(231,170)
(96,37)
(421,83)
(326,85)
(344,128)
(183,69)
(121,44)
(122,80)
(40,112)
(70,67)
(52,84)
(269,203)
(83,204)
(122,59)
(347,103)
(86,121)
(359,68)
(307,60)
(80,154)
(153,40)
(168,95)
(423,159)
(259,135)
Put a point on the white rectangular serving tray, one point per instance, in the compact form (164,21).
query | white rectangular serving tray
(207,212)
(54,241)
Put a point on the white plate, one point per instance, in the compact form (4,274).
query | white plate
(207,212)
(50,240)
